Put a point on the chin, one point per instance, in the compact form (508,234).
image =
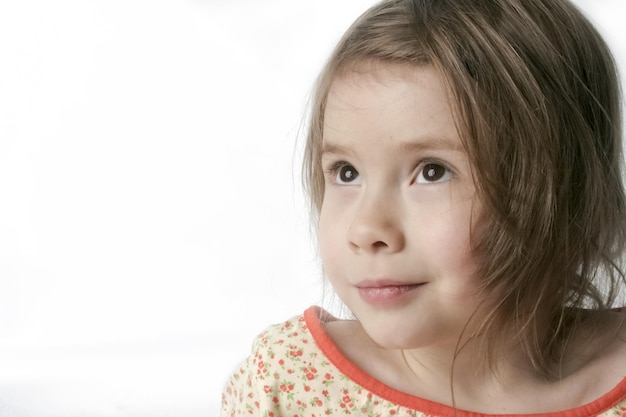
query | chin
(404,334)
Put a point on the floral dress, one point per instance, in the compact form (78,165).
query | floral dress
(295,370)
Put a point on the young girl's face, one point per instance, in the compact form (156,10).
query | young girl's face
(398,206)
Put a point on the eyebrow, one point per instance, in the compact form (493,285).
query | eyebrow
(416,145)
(335,149)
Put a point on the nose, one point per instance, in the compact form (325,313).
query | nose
(377,227)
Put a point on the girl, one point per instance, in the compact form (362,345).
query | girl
(464,158)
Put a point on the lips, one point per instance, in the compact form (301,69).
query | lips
(381,292)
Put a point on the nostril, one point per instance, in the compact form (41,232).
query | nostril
(375,234)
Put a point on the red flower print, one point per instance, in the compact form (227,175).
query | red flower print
(286,387)
(296,353)
(309,373)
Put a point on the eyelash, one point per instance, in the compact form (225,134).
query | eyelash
(334,170)
(449,173)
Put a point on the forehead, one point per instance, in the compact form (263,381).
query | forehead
(408,103)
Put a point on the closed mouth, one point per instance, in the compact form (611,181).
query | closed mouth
(386,283)
(379,293)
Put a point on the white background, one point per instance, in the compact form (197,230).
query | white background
(151,218)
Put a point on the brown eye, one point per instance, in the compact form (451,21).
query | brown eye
(347,174)
(432,172)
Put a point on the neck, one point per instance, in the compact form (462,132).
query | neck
(456,376)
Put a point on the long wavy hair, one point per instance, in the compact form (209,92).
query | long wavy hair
(537,104)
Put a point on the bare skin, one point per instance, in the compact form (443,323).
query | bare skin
(394,240)
(507,393)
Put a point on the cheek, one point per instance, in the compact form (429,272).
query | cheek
(462,260)
(332,242)
(328,238)
(445,245)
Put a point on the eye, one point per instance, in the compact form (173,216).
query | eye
(433,173)
(345,174)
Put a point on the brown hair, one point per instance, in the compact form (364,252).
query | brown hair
(538,110)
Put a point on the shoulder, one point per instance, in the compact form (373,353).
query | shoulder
(252,385)
(292,330)
(616,351)
(296,367)
(602,361)
(285,367)
(281,344)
